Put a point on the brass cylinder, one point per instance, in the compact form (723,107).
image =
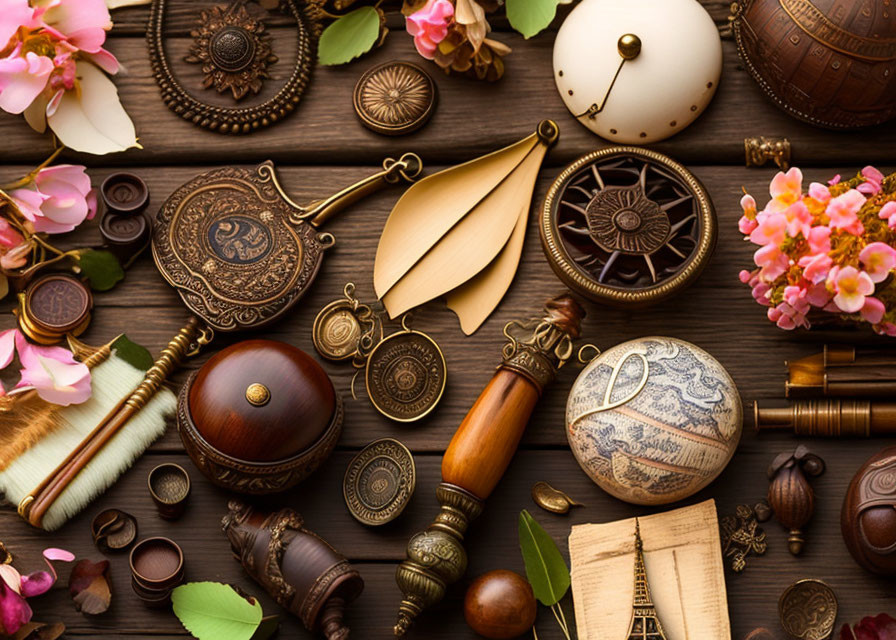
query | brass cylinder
(828,417)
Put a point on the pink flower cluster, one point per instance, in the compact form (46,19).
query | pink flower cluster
(429,26)
(830,249)
(57,200)
(40,43)
(15,588)
(51,371)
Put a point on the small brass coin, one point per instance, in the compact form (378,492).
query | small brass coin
(395,98)
(405,376)
(336,333)
(379,482)
(808,610)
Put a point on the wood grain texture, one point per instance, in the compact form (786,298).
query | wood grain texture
(323,147)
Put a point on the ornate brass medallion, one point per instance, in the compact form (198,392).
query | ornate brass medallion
(346,329)
(406,375)
(379,482)
(395,98)
(232,48)
(235,53)
(808,610)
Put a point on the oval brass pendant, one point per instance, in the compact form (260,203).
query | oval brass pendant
(346,328)
(379,482)
(406,375)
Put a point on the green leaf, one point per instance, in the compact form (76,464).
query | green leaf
(530,17)
(134,354)
(214,611)
(101,268)
(349,36)
(545,568)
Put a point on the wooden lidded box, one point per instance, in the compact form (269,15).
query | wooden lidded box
(259,417)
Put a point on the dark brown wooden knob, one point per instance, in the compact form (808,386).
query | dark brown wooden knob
(790,495)
(261,400)
(500,604)
(868,518)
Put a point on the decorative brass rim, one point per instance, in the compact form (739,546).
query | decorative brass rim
(378,396)
(235,119)
(585,283)
(390,461)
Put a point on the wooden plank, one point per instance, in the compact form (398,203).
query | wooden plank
(492,540)
(471,118)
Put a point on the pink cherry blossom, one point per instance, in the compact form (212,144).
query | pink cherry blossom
(818,191)
(53,373)
(878,258)
(816,267)
(773,262)
(799,220)
(873,310)
(785,189)
(819,239)
(13,14)
(886,329)
(745,276)
(851,286)
(873,180)
(771,229)
(59,199)
(843,211)
(888,213)
(429,26)
(748,221)
(834,180)
(818,295)
(22,78)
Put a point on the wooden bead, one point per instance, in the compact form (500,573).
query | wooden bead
(500,604)
(262,400)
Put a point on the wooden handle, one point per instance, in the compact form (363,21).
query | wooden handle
(34,507)
(486,440)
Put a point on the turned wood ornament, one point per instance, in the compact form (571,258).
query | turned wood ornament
(300,570)
(831,63)
(868,518)
(500,604)
(790,495)
(259,416)
(481,450)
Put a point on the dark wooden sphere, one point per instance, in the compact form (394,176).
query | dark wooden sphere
(500,604)
(296,414)
(831,63)
(868,518)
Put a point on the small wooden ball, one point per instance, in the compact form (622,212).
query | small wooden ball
(500,604)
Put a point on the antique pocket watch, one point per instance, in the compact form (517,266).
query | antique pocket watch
(404,373)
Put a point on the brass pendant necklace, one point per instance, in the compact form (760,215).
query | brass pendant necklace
(235,53)
(404,373)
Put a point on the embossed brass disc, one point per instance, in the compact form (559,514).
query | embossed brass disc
(808,610)
(395,98)
(405,376)
(379,482)
(54,305)
(337,331)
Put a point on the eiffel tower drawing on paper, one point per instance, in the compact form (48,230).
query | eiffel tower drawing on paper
(645,623)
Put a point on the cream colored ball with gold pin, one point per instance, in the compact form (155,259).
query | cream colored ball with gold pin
(637,71)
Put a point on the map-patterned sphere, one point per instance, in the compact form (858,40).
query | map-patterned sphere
(653,420)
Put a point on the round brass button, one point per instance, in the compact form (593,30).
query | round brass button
(257,394)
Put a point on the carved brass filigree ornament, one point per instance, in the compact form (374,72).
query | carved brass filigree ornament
(379,482)
(395,98)
(235,55)
(627,226)
(233,49)
(742,536)
(808,610)
(760,150)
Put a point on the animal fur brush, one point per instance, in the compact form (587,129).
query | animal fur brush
(37,439)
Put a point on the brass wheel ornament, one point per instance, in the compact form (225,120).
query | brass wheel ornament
(232,50)
(627,226)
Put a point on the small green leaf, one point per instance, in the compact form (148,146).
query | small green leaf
(214,611)
(134,354)
(101,268)
(545,568)
(531,17)
(349,36)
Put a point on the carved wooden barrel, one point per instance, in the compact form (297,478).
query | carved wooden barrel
(831,63)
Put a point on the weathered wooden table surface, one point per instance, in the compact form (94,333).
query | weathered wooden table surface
(322,147)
